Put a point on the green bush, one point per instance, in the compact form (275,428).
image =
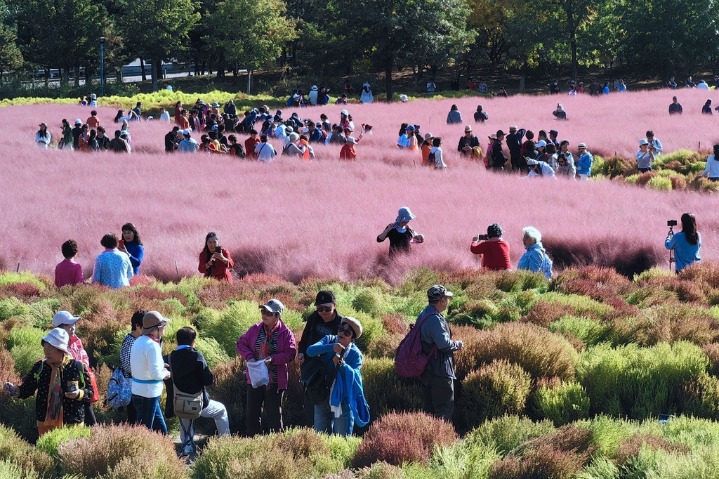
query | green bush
(638,382)
(296,453)
(7,278)
(562,404)
(587,330)
(50,442)
(387,392)
(114,451)
(498,389)
(701,397)
(25,348)
(12,307)
(228,325)
(10,470)
(23,455)
(368,301)
(660,183)
(507,433)
(539,352)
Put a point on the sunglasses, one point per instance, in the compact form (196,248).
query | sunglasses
(346,330)
(267,313)
(324,309)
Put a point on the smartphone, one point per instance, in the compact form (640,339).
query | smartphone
(121,244)
(218,249)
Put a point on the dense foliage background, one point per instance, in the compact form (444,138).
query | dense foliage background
(336,38)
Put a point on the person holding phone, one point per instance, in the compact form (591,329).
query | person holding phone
(687,244)
(131,245)
(400,235)
(61,383)
(215,261)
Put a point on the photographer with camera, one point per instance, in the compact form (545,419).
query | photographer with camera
(684,245)
(494,250)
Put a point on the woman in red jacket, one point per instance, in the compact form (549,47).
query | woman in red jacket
(215,261)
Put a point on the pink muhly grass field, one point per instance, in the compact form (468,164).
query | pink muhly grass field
(297,219)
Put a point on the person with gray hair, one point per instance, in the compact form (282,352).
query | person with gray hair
(535,258)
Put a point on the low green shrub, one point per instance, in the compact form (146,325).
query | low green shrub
(712,352)
(296,453)
(701,397)
(10,470)
(12,307)
(638,382)
(230,389)
(589,331)
(28,459)
(50,441)
(539,352)
(385,391)
(562,404)
(659,183)
(25,348)
(401,438)
(562,453)
(507,433)
(226,326)
(498,389)
(113,451)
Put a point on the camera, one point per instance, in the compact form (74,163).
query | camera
(482,237)
(671,223)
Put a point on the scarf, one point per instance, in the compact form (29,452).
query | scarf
(55,396)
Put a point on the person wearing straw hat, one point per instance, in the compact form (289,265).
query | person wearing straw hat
(270,341)
(62,385)
(400,235)
(345,405)
(438,378)
(148,372)
(467,142)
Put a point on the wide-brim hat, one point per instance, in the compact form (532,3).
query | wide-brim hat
(354,324)
(404,214)
(58,339)
(153,320)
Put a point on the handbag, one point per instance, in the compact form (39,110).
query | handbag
(119,390)
(93,382)
(259,374)
(317,379)
(186,405)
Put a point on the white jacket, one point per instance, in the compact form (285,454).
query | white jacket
(148,368)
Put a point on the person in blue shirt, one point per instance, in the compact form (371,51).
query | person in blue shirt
(535,258)
(112,268)
(346,404)
(131,245)
(686,244)
(584,162)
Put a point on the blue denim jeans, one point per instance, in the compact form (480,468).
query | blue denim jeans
(149,413)
(325,420)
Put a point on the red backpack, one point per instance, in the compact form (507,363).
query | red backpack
(410,361)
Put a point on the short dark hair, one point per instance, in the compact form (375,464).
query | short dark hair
(136,319)
(185,336)
(69,249)
(650,133)
(436,141)
(109,240)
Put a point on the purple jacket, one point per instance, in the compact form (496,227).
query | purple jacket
(287,350)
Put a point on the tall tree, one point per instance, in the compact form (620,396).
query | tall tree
(158,30)
(66,34)
(263,26)
(389,32)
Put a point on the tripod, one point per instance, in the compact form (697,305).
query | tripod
(671,251)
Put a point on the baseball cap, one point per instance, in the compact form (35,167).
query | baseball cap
(64,317)
(324,297)
(273,306)
(531,162)
(541,144)
(437,292)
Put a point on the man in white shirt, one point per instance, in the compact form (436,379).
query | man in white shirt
(148,372)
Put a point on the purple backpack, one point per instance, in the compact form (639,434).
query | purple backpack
(410,361)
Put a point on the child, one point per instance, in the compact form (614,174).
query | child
(68,271)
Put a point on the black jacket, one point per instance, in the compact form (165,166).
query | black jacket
(191,375)
(38,379)
(316,329)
